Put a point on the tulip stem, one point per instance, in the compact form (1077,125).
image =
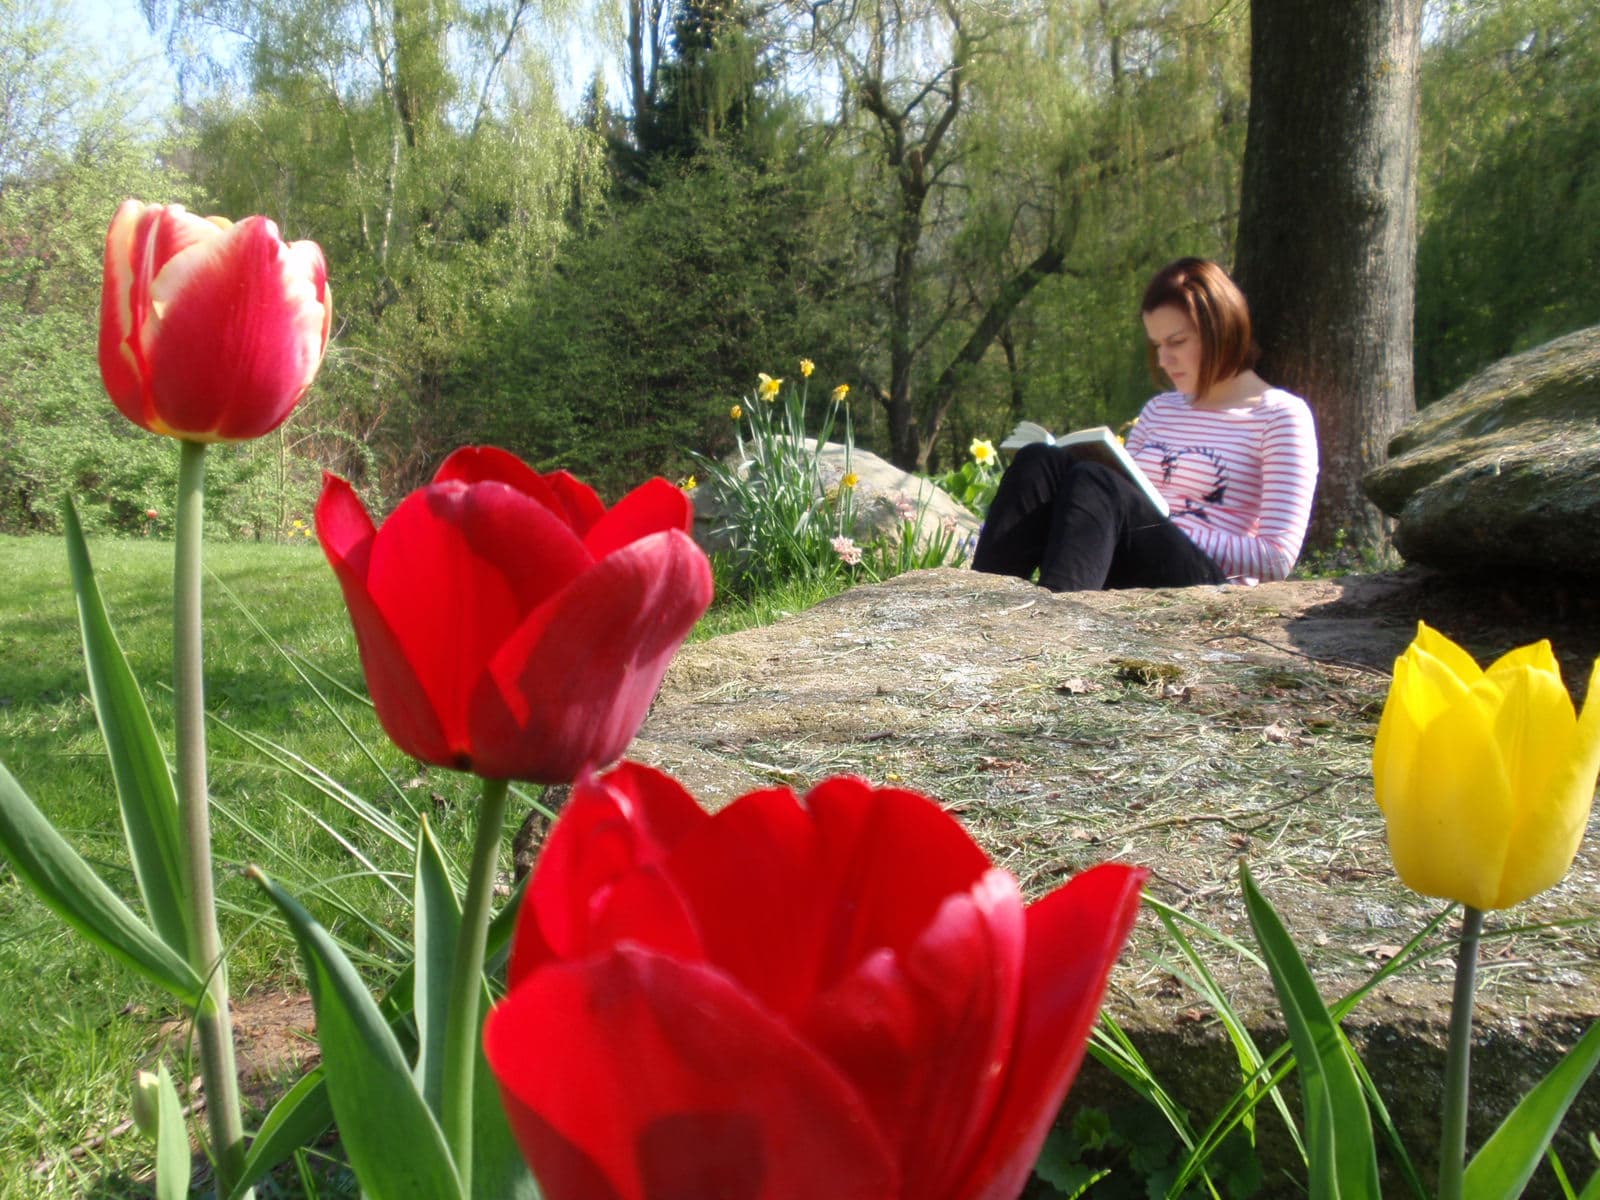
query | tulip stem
(212,1022)
(1458,1060)
(466,982)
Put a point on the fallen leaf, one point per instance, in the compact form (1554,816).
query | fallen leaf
(1077,686)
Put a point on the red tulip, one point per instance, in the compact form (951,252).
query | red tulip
(209,331)
(832,997)
(509,624)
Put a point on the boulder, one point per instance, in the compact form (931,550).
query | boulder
(886,498)
(1502,476)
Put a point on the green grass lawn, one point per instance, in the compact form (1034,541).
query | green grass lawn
(80,1025)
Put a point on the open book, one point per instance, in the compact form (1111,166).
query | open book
(1098,444)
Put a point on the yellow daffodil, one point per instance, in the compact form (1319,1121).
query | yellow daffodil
(850,480)
(1485,778)
(840,392)
(806,367)
(768,389)
(735,413)
(982,451)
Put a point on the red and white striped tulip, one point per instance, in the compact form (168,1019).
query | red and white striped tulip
(210,331)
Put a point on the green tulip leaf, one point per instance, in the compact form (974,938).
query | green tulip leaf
(145,792)
(172,1141)
(69,887)
(1342,1157)
(498,1168)
(299,1118)
(438,928)
(1505,1163)
(497,943)
(392,1138)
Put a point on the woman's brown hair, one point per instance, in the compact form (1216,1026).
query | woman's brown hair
(1202,290)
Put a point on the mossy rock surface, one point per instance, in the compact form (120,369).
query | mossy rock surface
(1503,474)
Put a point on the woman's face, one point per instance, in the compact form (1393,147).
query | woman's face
(1177,346)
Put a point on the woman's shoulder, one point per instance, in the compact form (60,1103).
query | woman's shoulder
(1276,399)
(1284,410)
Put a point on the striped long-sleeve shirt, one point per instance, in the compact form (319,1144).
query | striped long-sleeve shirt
(1239,480)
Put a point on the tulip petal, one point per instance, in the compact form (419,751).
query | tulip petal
(1537,734)
(120,361)
(1074,937)
(613,835)
(1575,776)
(571,686)
(649,508)
(453,572)
(742,871)
(140,241)
(404,707)
(1448,656)
(1449,829)
(490,464)
(1539,656)
(926,1036)
(633,1077)
(1425,685)
(236,333)
(582,505)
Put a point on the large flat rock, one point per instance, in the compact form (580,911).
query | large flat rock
(1187,731)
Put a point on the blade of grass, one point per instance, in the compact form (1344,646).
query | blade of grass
(1342,1158)
(1244,1046)
(323,782)
(294,664)
(1280,1062)
(1110,1046)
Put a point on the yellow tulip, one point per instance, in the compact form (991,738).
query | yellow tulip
(1485,778)
(735,413)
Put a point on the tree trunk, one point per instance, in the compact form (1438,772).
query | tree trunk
(1327,230)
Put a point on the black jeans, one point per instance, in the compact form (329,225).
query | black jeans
(1083,526)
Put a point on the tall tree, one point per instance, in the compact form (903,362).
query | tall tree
(990,141)
(1510,184)
(421,143)
(1327,229)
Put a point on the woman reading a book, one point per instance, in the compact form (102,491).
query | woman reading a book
(1234,459)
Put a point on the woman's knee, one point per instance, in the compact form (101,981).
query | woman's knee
(1083,472)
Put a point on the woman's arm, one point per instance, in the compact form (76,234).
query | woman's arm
(1288,482)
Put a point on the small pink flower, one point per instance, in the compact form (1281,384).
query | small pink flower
(151,514)
(849,553)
